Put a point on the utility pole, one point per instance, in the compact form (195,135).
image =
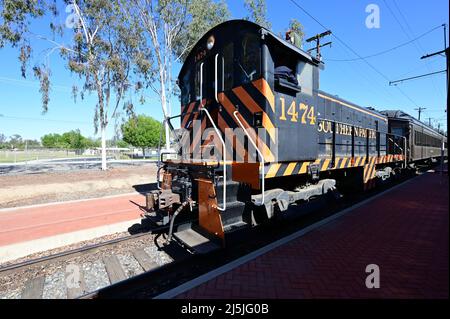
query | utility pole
(429,121)
(318,45)
(446,51)
(420,109)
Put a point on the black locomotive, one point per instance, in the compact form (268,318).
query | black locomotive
(274,138)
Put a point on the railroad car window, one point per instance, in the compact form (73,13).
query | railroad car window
(228,56)
(249,62)
(397,131)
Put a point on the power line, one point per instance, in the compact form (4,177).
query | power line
(385,51)
(28,83)
(2,116)
(417,76)
(417,46)
(354,52)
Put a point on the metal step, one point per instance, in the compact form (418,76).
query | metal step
(235,227)
(196,241)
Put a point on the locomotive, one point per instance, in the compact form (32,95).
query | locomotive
(257,135)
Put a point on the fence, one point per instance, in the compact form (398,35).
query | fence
(17,156)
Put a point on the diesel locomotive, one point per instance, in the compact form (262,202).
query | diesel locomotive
(257,135)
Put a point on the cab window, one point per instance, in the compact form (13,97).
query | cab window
(186,88)
(228,66)
(249,59)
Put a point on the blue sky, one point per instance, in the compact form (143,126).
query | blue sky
(400,21)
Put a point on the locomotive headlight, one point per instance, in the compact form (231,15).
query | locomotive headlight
(210,42)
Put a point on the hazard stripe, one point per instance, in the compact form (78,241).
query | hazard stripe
(304,168)
(187,115)
(290,168)
(273,170)
(196,140)
(230,108)
(296,168)
(325,164)
(344,160)
(336,163)
(248,101)
(233,145)
(265,90)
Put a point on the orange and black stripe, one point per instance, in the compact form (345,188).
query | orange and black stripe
(296,168)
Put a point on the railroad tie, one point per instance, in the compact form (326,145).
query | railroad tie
(79,288)
(144,259)
(34,288)
(114,269)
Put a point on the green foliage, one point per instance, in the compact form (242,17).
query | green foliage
(103,50)
(258,11)
(142,131)
(16,141)
(2,138)
(74,139)
(15,17)
(297,28)
(122,144)
(69,140)
(51,140)
(202,15)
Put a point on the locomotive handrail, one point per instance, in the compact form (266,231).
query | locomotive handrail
(259,153)
(224,160)
(201,85)
(396,143)
(215,77)
(405,150)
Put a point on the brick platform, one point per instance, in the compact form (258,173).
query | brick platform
(404,231)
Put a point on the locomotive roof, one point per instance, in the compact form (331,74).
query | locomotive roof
(338,99)
(222,28)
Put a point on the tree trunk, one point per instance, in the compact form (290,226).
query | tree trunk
(165,110)
(143,152)
(103,129)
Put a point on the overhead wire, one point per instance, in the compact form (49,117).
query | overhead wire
(354,52)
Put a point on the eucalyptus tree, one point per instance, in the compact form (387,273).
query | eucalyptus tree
(15,19)
(103,49)
(257,12)
(171,28)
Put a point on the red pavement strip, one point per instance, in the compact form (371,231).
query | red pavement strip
(405,231)
(30,223)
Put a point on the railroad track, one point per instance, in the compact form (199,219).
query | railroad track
(75,272)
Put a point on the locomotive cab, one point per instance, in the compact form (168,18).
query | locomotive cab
(239,89)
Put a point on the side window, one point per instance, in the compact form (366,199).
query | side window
(186,88)
(228,66)
(249,63)
(197,81)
